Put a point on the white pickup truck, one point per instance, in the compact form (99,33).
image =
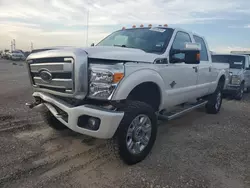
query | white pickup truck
(239,73)
(120,87)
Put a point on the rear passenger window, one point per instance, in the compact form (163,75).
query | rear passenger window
(204,56)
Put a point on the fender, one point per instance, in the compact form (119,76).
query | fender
(136,78)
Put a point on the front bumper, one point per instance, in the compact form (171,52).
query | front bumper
(109,120)
(231,88)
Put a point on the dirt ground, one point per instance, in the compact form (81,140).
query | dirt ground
(196,150)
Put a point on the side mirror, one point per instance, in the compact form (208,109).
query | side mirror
(191,54)
(248,68)
(92,44)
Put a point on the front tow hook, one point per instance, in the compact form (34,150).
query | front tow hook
(31,105)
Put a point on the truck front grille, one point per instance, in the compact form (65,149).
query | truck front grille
(59,74)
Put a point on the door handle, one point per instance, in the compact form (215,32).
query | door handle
(210,69)
(195,68)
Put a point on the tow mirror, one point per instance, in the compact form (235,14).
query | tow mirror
(92,44)
(190,54)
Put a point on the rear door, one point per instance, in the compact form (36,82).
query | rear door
(205,68)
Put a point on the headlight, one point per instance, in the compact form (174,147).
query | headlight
(104,80)
(236,80)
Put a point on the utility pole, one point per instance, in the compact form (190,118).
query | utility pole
(14,44)
(11,45)
(87,27)
(31,46)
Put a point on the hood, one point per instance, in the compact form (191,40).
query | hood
(236,71)
(120,53)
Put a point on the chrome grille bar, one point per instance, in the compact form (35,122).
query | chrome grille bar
(58,83)
(62,75)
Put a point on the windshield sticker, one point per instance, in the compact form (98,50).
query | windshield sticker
(238,63)
(158,30)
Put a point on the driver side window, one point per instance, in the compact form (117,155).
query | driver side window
(179,43)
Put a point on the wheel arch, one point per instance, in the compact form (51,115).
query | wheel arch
(136,80)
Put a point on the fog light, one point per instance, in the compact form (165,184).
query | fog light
(93,123)
(89,122)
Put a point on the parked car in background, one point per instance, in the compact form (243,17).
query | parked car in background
(239,73)
(17,55)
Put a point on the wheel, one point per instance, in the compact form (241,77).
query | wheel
(215,100)
(239,93)
(136,133)
(247,90)
(52,121)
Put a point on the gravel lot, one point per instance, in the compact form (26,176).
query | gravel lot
(196,150)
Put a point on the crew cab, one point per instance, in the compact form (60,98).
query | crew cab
(118,88)
(240,73)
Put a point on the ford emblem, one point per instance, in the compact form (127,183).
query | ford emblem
(46,76)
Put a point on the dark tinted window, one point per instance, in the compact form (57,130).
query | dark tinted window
(204,56)
(152,40)
(179,43)
(236,62)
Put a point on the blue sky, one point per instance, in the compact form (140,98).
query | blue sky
(224,23)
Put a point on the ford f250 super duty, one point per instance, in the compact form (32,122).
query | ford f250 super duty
(239,73)
(118,88)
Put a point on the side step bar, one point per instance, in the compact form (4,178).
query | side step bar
(180,113)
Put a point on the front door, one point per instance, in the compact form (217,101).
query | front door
(180,78)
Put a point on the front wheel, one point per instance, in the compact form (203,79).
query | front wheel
(137,132)
(215,100)
(239,93)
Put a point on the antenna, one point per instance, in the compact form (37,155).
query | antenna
(31,46)
(87,28)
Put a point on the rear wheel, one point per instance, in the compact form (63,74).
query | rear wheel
(52,121)
(136,134)
(215,100)
(239,93)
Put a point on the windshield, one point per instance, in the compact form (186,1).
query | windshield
(235,62)
(151,40)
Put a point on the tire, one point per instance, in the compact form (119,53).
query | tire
(215,100)
(129,132)
(248,90)
(239,94)
(52,121)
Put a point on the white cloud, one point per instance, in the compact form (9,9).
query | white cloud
(41,15)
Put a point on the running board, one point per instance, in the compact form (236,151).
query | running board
(180,113)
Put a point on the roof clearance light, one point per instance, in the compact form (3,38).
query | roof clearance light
(134,26)
(150,25)
(165,25)
(141,25)
(123,28)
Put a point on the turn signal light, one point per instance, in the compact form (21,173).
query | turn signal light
(134,26)
(150,25)
(141,25)
(117,77)
(123,28)
(165,25)
(198,56)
